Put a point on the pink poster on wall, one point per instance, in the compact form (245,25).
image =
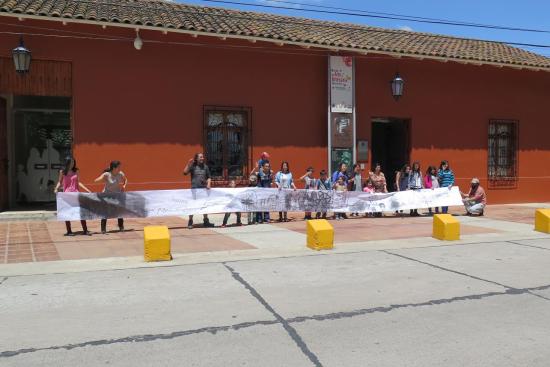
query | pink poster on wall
(341,84)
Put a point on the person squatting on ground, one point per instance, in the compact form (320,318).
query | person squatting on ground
(69,182)
(232,184)
(200,179)
(309,184)
(283,180)
(323,184)
(115,181)
(475,200)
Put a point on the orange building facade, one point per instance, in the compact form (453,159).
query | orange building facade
(99,99)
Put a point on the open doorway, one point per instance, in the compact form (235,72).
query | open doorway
(390,146)
(42,140)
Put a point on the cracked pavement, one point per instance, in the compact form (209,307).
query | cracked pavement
(474,304)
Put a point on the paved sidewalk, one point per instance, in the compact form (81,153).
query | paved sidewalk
(38,241)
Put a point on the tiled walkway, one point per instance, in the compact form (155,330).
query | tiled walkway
(44,240)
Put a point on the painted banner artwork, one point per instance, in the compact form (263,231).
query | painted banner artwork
(341,84)
(160,203)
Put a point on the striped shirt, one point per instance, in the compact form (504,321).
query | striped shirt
(446,177)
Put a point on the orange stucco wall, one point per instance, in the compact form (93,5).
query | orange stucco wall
(145,107)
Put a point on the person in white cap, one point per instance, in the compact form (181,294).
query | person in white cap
(475,200)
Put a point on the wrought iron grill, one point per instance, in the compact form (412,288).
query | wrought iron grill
(227,142)
(503,153)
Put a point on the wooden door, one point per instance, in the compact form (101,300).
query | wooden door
(3,156)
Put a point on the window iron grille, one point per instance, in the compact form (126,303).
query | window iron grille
(502,170)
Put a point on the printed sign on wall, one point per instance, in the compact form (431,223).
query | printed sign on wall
(341,84)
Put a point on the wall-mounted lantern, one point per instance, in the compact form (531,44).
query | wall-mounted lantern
(397,85)
(21,58)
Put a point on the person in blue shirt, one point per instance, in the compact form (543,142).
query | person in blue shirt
(265,180)
(341,173)
(446,179)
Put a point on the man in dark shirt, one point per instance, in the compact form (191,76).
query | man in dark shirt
(200,179)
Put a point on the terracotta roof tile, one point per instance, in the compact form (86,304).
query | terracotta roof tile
(163,14)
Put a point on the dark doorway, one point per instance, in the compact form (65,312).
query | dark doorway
(390,146)
(3,156)
(43,138)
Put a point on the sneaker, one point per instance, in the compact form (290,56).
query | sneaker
(86,233)
(103,231)
(224,225)
(239,224)
(207,223)
(69,234)
(190,224)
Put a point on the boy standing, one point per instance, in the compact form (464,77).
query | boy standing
(310,184)
(265,180)
(323,184)
(232,185)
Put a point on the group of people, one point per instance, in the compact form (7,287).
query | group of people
(113,179)
(410,177)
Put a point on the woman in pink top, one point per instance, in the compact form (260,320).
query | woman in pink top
(68,180)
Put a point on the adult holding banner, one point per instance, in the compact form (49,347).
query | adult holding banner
(200,179)
(283,180)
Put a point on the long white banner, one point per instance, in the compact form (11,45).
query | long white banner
(142,204)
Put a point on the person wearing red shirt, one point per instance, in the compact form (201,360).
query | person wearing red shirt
(476,200)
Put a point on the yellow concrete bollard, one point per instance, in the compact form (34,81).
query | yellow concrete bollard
(320,235)
(542,220)
(446,227)
(156,243)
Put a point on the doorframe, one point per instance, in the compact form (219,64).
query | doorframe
(407,122)
(10,134)
(12,169)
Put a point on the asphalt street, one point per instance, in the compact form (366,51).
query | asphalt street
(470,304)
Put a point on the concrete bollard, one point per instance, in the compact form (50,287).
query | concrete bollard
(446,227)
(542,220)
(156,243)
(320,234)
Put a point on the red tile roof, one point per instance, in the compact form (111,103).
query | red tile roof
(317,33)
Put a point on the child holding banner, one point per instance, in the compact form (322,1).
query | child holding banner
(324,184)
(340,186)
(265,179)
(310,182)
(69,181)
(232,185)
(446,179)
(115,181)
